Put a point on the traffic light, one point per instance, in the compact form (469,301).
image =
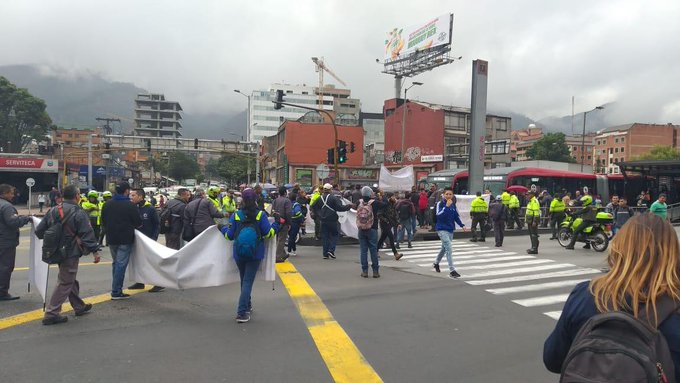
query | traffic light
(342,152)
(331,156)
(195,143)
(279,99)
(351,147)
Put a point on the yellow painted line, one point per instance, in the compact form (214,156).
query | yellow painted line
(35,315)
(342,357)
(80,264)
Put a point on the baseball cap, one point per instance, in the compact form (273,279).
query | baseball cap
(328,186)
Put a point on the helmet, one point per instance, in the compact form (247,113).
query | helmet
(92,194)
(107,194)
(586,200)
(498,197)
(213,191)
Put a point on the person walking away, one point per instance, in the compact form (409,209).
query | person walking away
(447,218)
(303,200)
(644,260)
(199,215)
(284,207)
(172,218)
(479,212)
(498,214)
(422,207)
(150,227)
(53,196)
(545,206)
(79,239)
(91,207)
(513,205)
(532,219)
(296,221)
(106,196)
(388,219)
(433,196)
(10,222)
(367,223)
(356,194)
(326,208)
(41,201)
(406,212)
(229,203)
(612,205)
(659,207)
(120,218)
(588,213)
(622,214)
(556,213)
(248,227)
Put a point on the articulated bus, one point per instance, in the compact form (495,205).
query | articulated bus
(457,178)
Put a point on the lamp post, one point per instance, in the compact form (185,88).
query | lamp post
(403,120)
(583,136)
(247,114)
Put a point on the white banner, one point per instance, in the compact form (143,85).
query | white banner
(463,203)
(37,269)
(399,180)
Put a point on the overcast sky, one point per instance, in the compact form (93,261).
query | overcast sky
(540,53)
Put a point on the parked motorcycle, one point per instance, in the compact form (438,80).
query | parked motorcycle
(596,235)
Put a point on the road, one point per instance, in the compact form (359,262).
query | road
(412,324)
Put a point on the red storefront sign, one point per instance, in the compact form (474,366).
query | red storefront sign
(28,164)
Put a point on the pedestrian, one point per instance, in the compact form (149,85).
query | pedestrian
(557,214)
(356,194)
(479,212)
(283,207)
(79,239)
(10,222)
(368,210)
(248,261)
(213,196)
(513,206)
(172,218)
(422,207)
(303,200)
(388,220)
(296,221)
(150,227)
(326,208)
(415,197)
(406,212)
(532,219)
(120,218)
(53,196)
(498,213)
(199,215)
(315,217)
(447,218)
(106,197)
(613,204)
(41,201)
(644,260)
(622,214)
(545,208)
(260,197)
(659,207)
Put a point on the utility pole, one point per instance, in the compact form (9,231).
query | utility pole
(108,131)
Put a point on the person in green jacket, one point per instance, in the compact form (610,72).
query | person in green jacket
(317,222)
(659,207)
(229,203)
(556,214)
(533,219)
(479,212)
(513,207)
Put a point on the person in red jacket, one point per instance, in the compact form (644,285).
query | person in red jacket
(422,208)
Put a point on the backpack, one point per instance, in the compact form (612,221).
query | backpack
(404,211)
(365,215)
(165,219)
(422,201)
(617,347)
(54,246)
(246,239)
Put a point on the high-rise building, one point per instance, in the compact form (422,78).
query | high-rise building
(156,117)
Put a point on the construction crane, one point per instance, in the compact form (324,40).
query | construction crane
(320,68)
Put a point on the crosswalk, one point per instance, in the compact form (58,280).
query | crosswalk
(527,280)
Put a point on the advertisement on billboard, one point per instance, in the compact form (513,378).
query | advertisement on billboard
(402,42)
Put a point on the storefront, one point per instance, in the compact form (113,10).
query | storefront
(15,170)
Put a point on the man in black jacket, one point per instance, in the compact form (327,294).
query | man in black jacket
(10,222)
(76,225)
(121,218)
(173,216)
(326,208)
(150,227)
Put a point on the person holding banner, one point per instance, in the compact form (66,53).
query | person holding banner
(10,222)
(327,208)
(447,218)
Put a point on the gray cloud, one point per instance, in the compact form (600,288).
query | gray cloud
(541,53)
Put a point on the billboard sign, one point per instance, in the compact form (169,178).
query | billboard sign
(401,42)
(34,165)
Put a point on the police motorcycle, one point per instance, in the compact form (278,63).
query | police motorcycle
(596,234)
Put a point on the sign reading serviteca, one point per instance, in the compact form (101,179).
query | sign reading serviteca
(35,165)
(402,42)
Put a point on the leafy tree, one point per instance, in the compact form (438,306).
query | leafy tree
(661,152)
(22,117)
(233,167)
(551,147)
(182,166)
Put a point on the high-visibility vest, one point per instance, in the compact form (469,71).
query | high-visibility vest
(479,205)
(505,198)
(215,202)
(92,209)
(533,208)
(514,202)
(557,206)
(228,204)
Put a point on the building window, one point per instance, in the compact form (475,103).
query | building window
(616,150)
(622,139)
(621,150)
(616,140)
(454,121)
(589,158)
(611,150)
(575,148)
(502,125)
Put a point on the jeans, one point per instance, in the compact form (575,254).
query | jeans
(405,226)
(292,236)
(247,270)
(447,239)
(329,236)
(121,257)
(414,223)
(368,242)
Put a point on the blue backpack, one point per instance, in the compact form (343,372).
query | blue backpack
(247,238)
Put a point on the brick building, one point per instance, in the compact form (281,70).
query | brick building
(521,140)
(574,144)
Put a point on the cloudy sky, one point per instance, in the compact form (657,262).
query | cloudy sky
(540,53)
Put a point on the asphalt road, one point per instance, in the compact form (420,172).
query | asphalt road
(412,324)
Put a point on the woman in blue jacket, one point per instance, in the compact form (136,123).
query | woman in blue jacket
(644,261)
(447,218)
(249,212)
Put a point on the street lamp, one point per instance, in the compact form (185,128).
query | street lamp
(583,136)
(247,114)
(403,119)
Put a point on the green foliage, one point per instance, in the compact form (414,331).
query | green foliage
(22,117)
(551,147)
(182,166)
(661,152)
(232,167)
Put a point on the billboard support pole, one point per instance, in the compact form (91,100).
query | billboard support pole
(480,70)
(397,86)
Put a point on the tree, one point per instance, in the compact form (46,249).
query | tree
(233,167)
(182,166)
(551,147)
(22,117)
(661,152)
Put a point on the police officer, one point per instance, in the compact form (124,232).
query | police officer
(589,214)
(92,208)
(213,193)
(513,206)
(556,214)
(479,212)
(229,203)
(533,219)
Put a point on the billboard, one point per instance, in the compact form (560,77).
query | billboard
(401,42)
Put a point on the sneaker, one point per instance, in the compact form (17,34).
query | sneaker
(250,310)
(54,320)
(482,240)
(436,267)
(243,318)
(473,240)
(121,296)
(86,309)
(325,256)
(397,246)
(292,254)
(454,275)
(498,245)
(376,274)
(156,289)
(532,251)
(136,286)
(364,274)
(398,256)
(330,254)
(410,246)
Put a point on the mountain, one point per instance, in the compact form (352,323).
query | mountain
(596,120)
(75,101)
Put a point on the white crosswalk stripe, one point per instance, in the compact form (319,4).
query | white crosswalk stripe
(542,301)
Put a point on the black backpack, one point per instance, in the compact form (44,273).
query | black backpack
(404,211)
(54,245)
(165,219)
(617,347)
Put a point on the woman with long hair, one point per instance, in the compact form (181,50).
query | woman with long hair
(644,262)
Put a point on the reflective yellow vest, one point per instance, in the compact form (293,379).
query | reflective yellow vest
(505,198)
(99,218)
(514,202)
(533,208)
(228,204)
(215,202)
(92,209)
(479,205)
(557,206)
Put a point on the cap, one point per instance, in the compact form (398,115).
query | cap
(248,194)
(328,186)
(498,197)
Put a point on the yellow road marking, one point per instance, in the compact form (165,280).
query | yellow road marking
(34,315)
(55,266)
(342,357)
